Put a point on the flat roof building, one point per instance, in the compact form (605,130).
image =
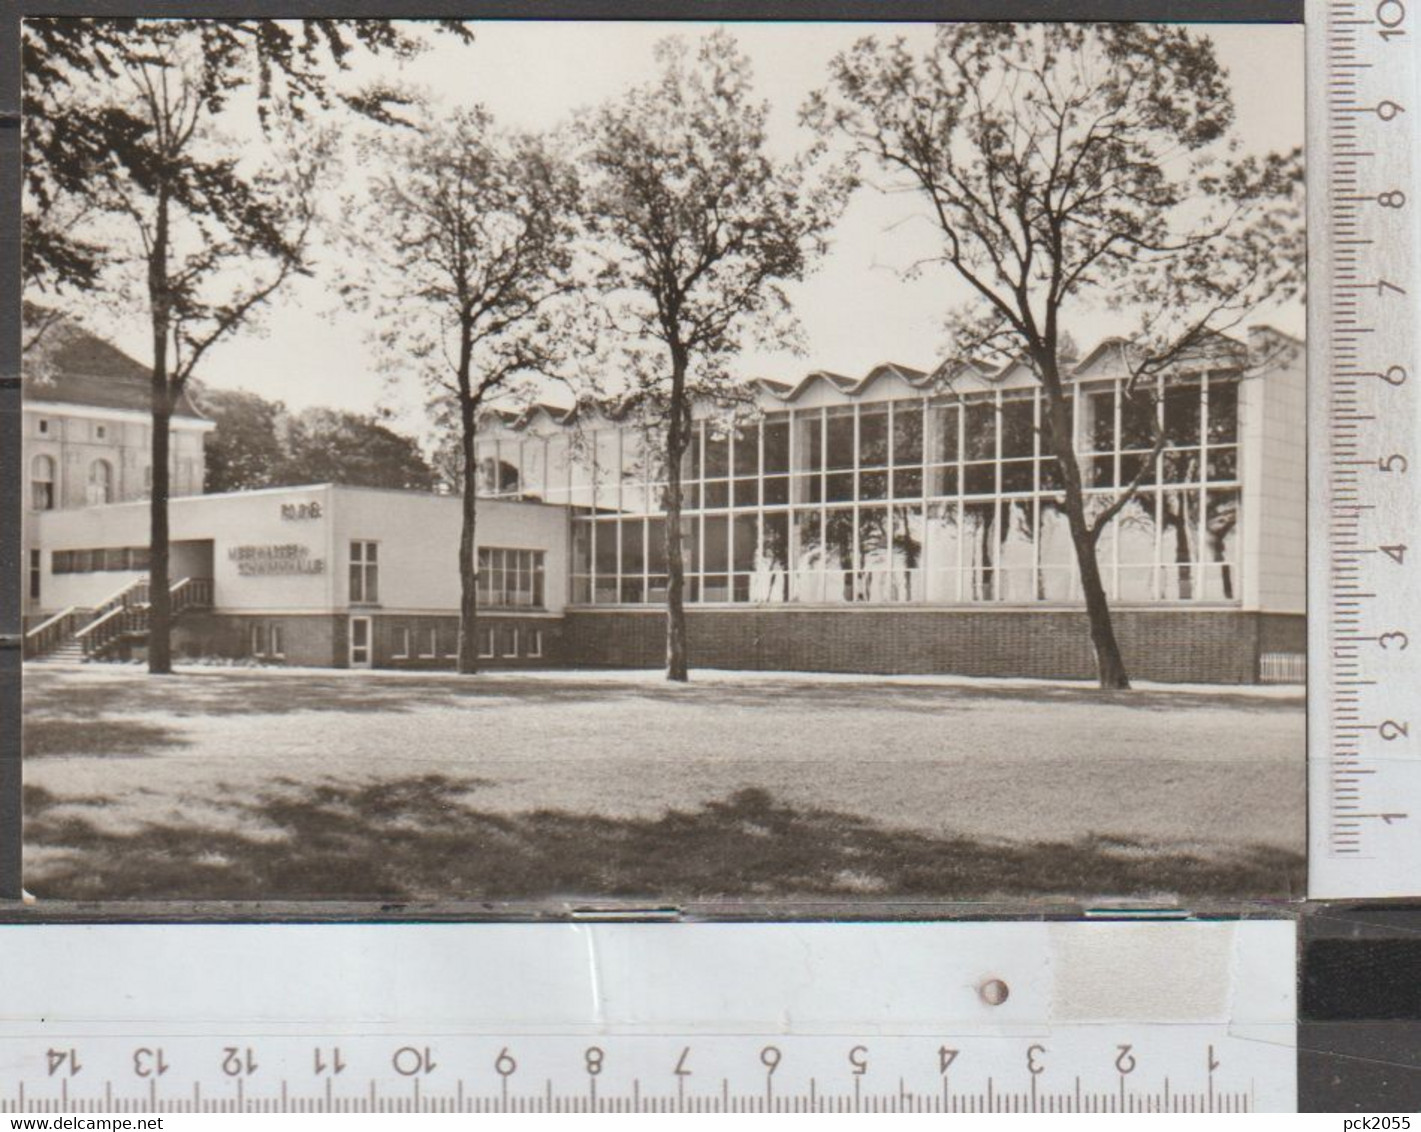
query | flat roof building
(901,522)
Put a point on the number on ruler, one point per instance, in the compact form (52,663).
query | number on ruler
(503,1064)
(1391,14)
(149,1062)
(409,1061)
(238,1062)
(59,1058)
(592,1059)
(335,1065)
(858,1058)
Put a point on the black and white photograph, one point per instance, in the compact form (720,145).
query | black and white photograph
(663,462)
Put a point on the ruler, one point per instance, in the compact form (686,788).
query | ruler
(964,1017)
(1364,570)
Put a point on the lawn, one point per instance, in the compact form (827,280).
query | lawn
(271,784)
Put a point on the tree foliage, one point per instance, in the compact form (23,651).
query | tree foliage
(257,444)
(68,135)
(331,446)
(244,451)
(468,242)
(1066,166)
(701,227)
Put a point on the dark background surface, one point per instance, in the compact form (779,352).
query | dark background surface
(1359,1009)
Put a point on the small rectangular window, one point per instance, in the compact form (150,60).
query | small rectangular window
(402,644)
(451,636)
(485,643)
(100,432)
(429,644)
(274,643)
(35,571)
(364,572)
(511,643)
(535,643)
(43,426)
(257,640)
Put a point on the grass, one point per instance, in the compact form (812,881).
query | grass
(270,785)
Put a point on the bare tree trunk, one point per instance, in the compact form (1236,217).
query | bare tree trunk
(160,656)
(676,440)
(1109,663)
(468,662)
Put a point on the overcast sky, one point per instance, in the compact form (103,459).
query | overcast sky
(856,309)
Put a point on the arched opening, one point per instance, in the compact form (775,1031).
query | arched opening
(100,482)
(42,483)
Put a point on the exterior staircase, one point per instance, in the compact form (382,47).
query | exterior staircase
(79,634)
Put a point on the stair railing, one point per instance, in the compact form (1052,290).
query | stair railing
(48,634)
(131,617)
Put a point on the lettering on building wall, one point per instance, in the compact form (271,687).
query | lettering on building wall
(286,558)
(296,511)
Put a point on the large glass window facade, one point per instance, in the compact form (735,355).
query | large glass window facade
(510,578)
(939,499)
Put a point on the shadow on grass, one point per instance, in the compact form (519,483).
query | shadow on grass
(107,738)
(77,694)
(419,839)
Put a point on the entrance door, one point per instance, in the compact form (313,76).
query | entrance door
(360,642)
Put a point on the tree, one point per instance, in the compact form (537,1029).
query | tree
(702,228)
(289,65)
(244,451)
(257,443)
(469,244)
(1064,165)
(330,446)
(122,122)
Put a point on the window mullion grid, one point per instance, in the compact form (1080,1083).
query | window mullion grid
(1202,568)
(855,558)
(731,443)
(1073,592)
(698,439)
(998,533)
(1204,378)
(823,502)
(1035,587)
(617,521)
(1157,586)
(925,431)
(959,474)
(758,554)
(890,474)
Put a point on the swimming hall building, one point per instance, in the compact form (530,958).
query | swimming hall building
(896,522)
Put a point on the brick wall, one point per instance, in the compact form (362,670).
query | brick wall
(389,641)
(1188,645)
(323,640)
(314,639)
(1281,632)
